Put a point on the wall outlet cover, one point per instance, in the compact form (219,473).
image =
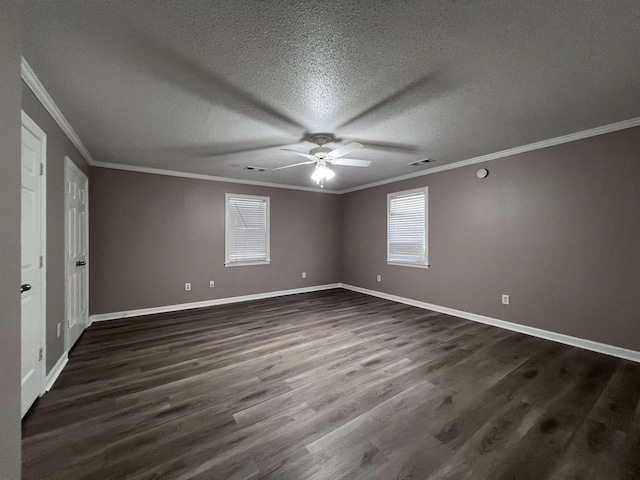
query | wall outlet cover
(505,299)
(187,286)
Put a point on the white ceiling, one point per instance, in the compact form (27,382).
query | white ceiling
(211,87)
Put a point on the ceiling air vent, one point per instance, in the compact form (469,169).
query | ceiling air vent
(420,162)
(257,169)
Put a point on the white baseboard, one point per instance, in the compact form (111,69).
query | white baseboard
(101,317)
(536,332)
(56,371)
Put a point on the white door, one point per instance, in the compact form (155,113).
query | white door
(77,251)
(33,143)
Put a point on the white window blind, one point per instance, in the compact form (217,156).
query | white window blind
(247,230)
(407,227)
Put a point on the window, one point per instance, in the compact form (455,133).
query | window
(247,230)
(407,228)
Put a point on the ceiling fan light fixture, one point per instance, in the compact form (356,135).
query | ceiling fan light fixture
(322,172)
(328,173)
(317,175)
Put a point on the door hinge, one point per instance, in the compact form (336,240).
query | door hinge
(42,169)
(40,355)
(41,261)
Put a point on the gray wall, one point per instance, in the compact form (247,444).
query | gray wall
(58,146)
(557,229)
(150,234)
(9,244)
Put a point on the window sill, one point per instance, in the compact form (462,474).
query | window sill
(414,265)
(242,264)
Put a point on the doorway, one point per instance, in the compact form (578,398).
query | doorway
(77,252)
(33,261)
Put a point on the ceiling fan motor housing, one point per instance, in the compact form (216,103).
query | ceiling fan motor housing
(320,152)
(321,138)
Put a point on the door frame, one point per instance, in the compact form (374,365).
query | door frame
(33,127)
(69,164)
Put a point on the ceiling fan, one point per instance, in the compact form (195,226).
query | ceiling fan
(322,155)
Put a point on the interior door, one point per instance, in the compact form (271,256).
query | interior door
(31,287)
(77,252)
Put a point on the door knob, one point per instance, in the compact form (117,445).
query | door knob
(81,264)
(25,287)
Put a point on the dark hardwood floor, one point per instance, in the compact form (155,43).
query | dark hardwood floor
(331,385)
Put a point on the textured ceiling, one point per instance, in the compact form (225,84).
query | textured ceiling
(211,87)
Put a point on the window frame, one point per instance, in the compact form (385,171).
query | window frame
(227,262)
(390,196)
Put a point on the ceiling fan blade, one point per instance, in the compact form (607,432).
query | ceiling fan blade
(342,151)
(305,155)
(294,165)
(351,162)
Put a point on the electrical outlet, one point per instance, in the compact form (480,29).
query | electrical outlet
(212,284)
(505,299)
(379,278)
(187,286)
(304,274)
(58,330)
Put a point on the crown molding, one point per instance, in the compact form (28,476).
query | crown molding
(32,81)
(572,137)
(41,93)
(212,178)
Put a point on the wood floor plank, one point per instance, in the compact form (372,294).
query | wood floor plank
(485,449)
(331,385)
(616,406)
(540,451)
(595,452)
(631,450)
